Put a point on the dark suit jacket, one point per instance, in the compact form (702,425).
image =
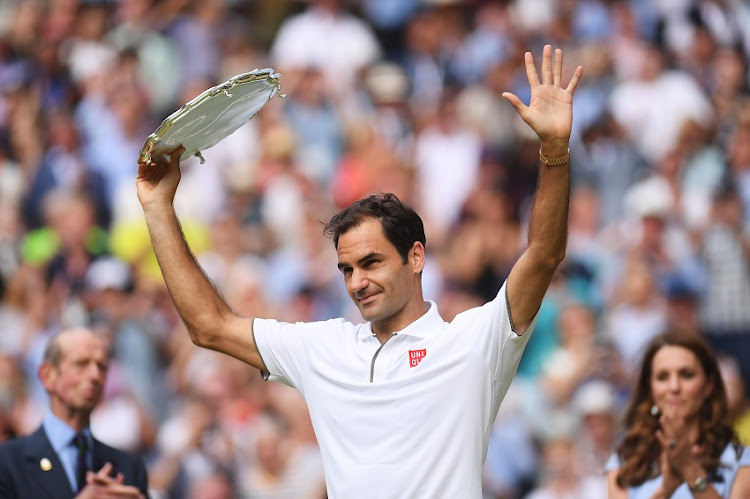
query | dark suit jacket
(22,476)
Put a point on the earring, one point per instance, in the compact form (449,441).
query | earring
(655,410)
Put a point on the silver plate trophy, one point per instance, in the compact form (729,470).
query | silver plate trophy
(213,115)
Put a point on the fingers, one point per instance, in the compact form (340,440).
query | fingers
(662,438)
(174,158)
(667,442)
(104,471)
(101,477)
(547,65)
(102,485)
(551,72)
(111,492)
(119,491)
(576,78)
(531,70)
(160,159)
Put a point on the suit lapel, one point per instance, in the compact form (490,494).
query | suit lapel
(102,455)
(53,481)
(99,457)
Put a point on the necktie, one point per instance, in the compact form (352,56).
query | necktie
(81,445)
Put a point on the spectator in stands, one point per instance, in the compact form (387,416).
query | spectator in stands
(678,440)
(62,458)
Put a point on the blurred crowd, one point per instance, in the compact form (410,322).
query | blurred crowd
(382,95)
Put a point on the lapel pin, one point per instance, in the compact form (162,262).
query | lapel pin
(45,464)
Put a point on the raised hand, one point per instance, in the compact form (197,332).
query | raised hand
(158,179)
(550,111)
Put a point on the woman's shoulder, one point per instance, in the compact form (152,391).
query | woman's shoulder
(735,456)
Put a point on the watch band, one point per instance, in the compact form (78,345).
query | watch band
(699,485)
(556,161)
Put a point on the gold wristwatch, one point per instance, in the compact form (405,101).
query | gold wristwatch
(554,161)
(699,485)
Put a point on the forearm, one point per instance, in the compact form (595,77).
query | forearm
(548,225)
(195,298)
(548,230)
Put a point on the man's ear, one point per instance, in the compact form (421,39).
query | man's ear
(47,375)
(417,257)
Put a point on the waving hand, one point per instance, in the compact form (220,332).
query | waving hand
(550,111)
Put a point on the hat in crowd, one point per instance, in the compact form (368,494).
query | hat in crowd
(649,198)
(108,273)
(594,397)
(387,82)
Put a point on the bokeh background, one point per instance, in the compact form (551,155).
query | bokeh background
(383,95)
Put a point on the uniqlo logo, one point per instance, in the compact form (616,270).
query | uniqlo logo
(416,356)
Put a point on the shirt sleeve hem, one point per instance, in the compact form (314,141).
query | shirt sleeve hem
(265,373)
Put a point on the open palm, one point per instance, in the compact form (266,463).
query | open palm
(550,110)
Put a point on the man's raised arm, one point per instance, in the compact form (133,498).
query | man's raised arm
(209,320)
(550,115)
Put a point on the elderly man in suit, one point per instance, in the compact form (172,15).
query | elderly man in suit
(62,459)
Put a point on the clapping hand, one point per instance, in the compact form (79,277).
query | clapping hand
(680,455)
(101,485)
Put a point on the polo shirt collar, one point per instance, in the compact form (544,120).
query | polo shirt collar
(428,324)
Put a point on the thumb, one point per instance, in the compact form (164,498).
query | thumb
(516,102)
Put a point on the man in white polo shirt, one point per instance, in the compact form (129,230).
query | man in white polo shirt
(402,404)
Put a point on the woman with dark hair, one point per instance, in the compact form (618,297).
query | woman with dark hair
(678,440)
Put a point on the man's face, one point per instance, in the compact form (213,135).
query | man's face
(76,385)
(377,280)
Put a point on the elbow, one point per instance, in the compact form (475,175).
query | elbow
(557,258)
(205,327)
(199,337)
(548,260)
(201,334)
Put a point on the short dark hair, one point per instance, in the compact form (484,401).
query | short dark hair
(401,224)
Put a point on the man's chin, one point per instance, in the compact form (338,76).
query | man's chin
(368,312)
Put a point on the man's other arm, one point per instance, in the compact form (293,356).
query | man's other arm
(209,319)
(550,115)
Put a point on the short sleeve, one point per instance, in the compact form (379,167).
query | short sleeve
(497,339)
(744,459)
(289,349)
(282,347)
(488,331)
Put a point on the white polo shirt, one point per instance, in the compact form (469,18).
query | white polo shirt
(409,418)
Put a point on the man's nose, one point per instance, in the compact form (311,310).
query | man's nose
(359,280)
(95,371)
